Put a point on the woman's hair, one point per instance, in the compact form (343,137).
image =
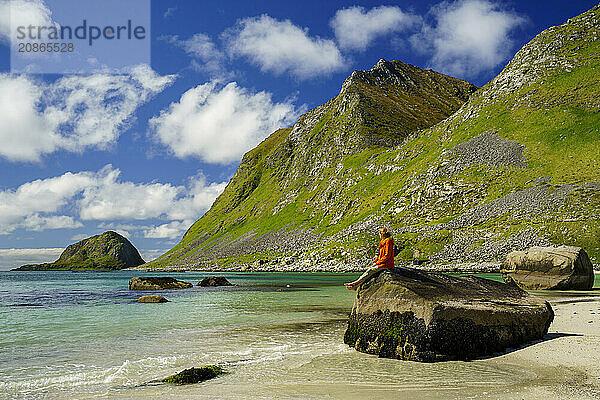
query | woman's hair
(385,232)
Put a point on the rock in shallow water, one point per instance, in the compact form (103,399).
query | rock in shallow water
(214,281)
(152,298)
(156,283)
(553,268)
(195,375)
(423,316)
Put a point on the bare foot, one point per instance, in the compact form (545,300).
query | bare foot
(350,286)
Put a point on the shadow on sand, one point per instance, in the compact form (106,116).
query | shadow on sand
(546,338)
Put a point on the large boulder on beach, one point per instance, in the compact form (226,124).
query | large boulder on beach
(214,281)
(156,283)
(424,316)
(152,298)
(553,268)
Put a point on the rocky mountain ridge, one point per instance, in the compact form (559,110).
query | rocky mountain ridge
(460,176)
(303,170)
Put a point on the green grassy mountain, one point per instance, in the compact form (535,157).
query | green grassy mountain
(459,174)
(108,251)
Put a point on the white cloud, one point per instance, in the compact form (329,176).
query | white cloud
(199,197)
(121,227)
(151,254)
(22,207)
(13,258)
(73,113)
(38,223)
(111,199)
(22,13)
(24,132)
(123,233)
(356,28)
(280,46)
(172,230)
(105,200)
(182,205)
(207,57)
(170,12)
(468,36)
(199,45)
(102,196)
(220,125)
(79,237)
(96,108)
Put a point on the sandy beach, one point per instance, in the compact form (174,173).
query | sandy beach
(568,363)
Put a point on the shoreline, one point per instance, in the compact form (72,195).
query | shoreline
(484,267)
(466,268)
(472,268)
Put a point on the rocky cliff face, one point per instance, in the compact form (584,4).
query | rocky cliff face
(106,251)
(458,175)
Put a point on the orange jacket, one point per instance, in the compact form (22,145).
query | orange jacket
(386,253)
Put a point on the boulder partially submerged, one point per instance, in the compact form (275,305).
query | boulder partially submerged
(214,281)
(423,316)
(194,375)
(152,298)
(553,268)
(156,283)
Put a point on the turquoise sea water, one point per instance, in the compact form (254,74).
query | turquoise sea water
(82,335)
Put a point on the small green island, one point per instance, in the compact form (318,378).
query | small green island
(106,252)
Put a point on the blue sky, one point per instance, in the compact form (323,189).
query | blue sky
(145,153)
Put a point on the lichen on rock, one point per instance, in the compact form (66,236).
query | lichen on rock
(415,315)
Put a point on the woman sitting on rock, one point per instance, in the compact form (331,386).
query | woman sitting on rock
(385,259)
